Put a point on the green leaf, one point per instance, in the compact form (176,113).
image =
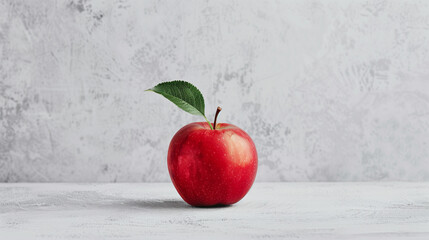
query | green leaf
(185,95)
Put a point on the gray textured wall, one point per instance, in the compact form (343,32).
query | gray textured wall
(329,90)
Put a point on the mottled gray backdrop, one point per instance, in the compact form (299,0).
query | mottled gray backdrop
(328,90)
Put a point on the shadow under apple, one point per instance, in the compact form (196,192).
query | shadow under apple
(166,204)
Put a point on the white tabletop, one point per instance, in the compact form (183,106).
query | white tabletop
(269,211)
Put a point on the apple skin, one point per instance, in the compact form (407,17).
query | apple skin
(212,167)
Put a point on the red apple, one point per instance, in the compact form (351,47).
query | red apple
(212,167)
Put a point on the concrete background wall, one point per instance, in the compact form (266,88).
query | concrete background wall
(329,90)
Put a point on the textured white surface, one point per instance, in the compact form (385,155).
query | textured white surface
(329,90)
(269,211)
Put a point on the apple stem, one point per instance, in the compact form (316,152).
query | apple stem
(217,113)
